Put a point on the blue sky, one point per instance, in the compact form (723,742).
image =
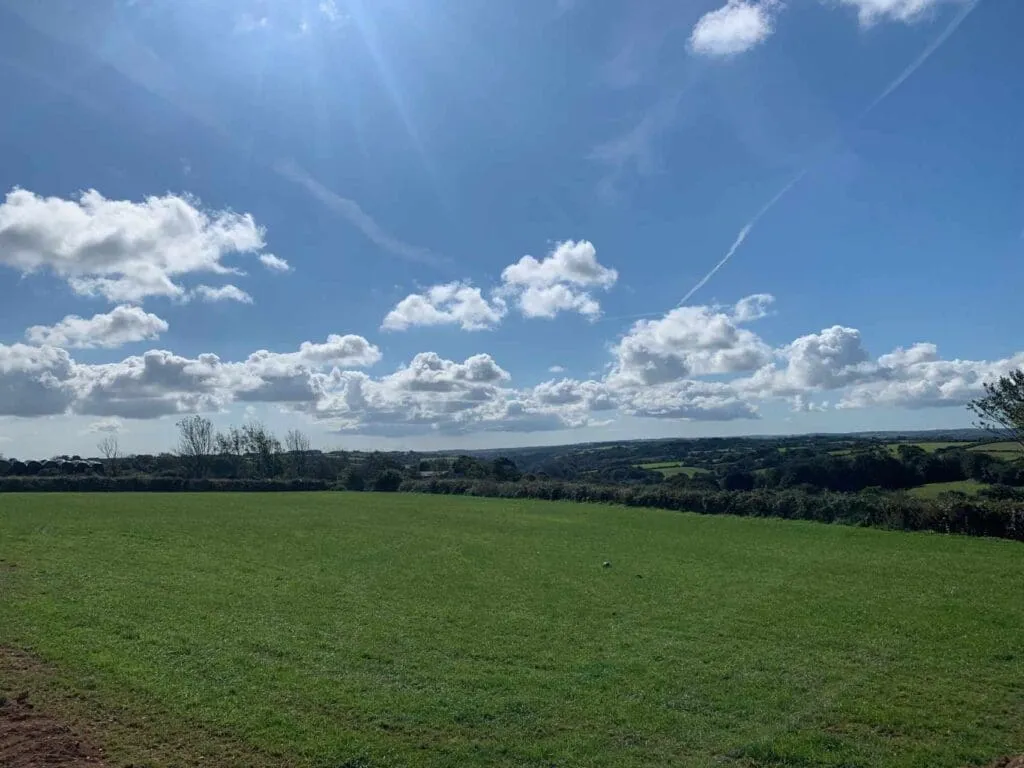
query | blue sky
(448,224)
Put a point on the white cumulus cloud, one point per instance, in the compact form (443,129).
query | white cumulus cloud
(122,325)
(121,250)
(35,381)
(691,341)
(212,294)
(548,301)
(433,394)
(559,282)
(734,28)
(537,288)
(693,363)
(450,304)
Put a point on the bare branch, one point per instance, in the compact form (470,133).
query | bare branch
(298,446)
(110,449)
(195,444)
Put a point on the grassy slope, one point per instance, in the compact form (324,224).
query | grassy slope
(394,630)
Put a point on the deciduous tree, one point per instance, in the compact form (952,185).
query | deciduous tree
(1001,410)
(195,444)
(297,444)
(111,451)
(265,448)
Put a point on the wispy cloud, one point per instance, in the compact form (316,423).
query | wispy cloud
(635,153)
(639,41)
(213,294)
(275,263)
(872,11)
(351,211)
(247,23)
(329,10)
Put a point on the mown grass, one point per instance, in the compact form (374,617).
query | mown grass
(933,490)
(383,630)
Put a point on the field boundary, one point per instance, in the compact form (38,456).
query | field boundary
(949,514)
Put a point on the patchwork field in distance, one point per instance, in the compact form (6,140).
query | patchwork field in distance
(341,629)
(670,468)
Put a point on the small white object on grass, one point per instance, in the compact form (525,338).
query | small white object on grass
(606,564)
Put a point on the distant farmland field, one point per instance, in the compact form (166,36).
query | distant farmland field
(1003,450)
(932,490)
(670,468)
(930,447)
(893,448)
(331,630)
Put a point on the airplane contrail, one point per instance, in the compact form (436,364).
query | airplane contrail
(886,92)
(921,59)
(744,232)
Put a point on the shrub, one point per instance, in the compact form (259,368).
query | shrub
(389,480)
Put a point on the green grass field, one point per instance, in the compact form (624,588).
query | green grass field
(335,630)
(932,490)
(670,468)
(1004,450)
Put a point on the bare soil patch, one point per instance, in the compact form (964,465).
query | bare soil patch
(33,739)
(43,724)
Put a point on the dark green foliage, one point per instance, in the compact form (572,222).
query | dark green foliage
(467,466)
(505,470)
(736,480)
(388,481)
(158,483)
(354,479)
